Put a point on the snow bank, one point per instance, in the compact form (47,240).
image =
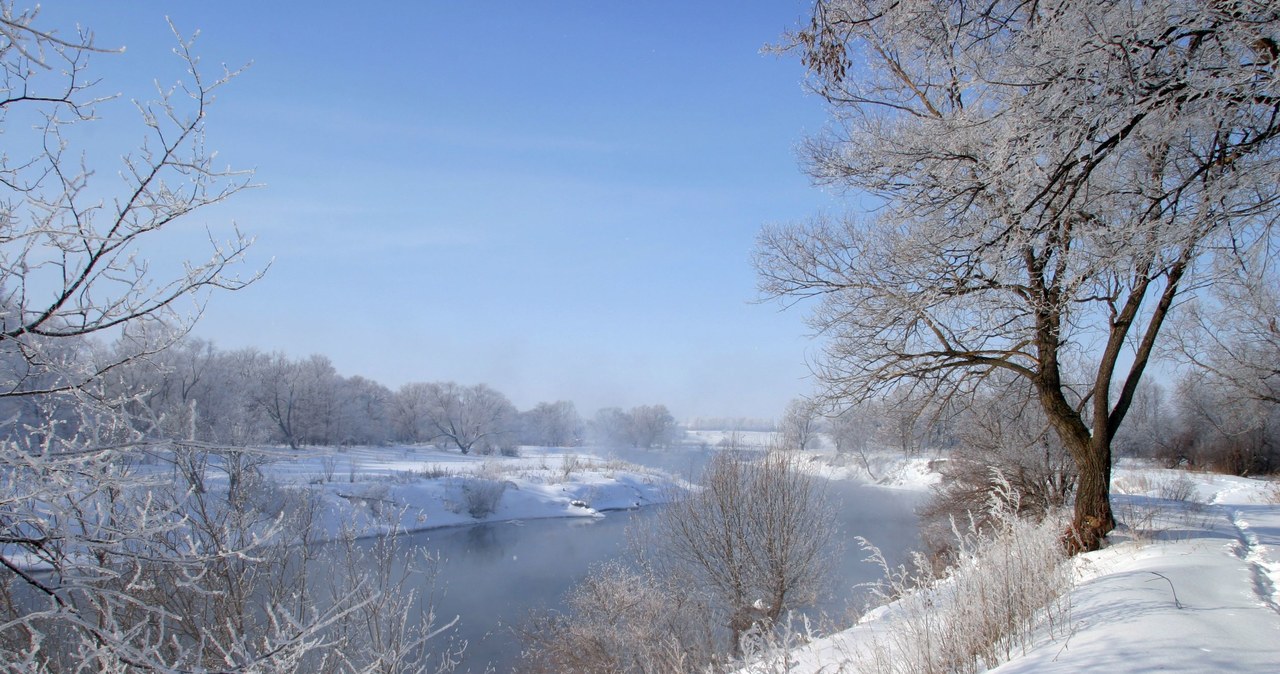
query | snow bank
(377,490)
(881,468)
(1188,584)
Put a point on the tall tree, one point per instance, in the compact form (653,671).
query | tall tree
(799,425)
(470,417)
(552,425)
(652,426)
(1042,181)
(124,563)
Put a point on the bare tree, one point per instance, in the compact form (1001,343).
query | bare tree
(471,418)
(652,425)
(279,392)
(1218,429)
(1232,332)
(1148,431)
(1047,179)
(552,425)
(755,535)
(1007,453)
(409,412)
(852,429)
(70,260)
(735,555)
(800,424)
(611,427)
(365,412)
(644,426)
(108,563)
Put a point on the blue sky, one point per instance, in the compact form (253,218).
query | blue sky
(558,199)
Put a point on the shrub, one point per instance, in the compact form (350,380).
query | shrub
(569,465)
(622,620)
(1009,453)
(755,536)
(482,495)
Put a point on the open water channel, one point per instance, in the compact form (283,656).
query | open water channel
(494,575)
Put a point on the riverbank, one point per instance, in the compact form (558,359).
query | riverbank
(373,491)
(878,467)
(1188,583)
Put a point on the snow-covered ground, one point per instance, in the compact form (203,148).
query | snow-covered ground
(1189,583)
(1187,586)
(380,489)
(377,490)
(882,468)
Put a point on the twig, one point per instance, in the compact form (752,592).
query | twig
(1176,603)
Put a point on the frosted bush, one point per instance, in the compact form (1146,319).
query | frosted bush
(482,495)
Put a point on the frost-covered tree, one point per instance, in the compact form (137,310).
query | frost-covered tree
(652,426)
(279,393)
(611,427)
(852,429)
(754,537)
(115,556)
(471,418)
(1215,428)
(552,425)
(70,240)
(1042,183)
(1232,333)
(643,426)
(364,413)
(799,424)
(408,412)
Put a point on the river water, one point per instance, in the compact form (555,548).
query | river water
(494,575)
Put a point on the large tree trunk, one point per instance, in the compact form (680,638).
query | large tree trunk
(1091,450)
(1093,518)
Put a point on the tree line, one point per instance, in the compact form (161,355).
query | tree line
(192,390)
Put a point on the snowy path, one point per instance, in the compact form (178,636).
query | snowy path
(1219,558)
(1187,602)
(1192,588)
(1258,527)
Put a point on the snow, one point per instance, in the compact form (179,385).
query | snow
(373,491)
(1195,591)
(874,466)
(881,468)
(1188,583)
(378,490)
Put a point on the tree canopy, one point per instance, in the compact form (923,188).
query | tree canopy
(1041,184)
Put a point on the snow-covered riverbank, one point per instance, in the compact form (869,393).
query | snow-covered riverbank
(378,490)
(1187,584)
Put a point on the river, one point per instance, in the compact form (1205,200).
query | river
(494,575)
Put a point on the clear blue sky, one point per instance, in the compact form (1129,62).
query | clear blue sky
(558,199)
